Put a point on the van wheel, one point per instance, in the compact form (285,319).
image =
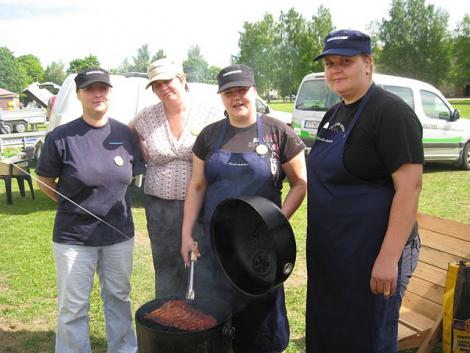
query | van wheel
(465,160)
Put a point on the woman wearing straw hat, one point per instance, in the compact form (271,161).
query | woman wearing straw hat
(364,181)
(167,131)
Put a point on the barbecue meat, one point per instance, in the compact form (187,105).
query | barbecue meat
(178,314)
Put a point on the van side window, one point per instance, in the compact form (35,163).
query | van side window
(315,95)
(433,106)
(404,93)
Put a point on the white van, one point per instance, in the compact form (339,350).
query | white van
(445,138)
(130,96)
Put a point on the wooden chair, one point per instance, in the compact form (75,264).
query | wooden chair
(442,241)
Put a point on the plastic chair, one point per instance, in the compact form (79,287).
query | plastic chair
(9,171)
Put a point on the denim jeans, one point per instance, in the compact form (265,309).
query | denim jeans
(409,260)
(75,268)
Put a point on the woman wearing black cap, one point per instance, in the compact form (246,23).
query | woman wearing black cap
(86,167)
(244,155)
(364,180)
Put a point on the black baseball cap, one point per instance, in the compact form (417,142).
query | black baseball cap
(345,42)
(89,76)
(237,75)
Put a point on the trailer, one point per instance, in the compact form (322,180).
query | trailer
(18,120)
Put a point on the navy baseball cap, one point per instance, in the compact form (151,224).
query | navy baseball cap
(345,42)
(89,76)
(237,75)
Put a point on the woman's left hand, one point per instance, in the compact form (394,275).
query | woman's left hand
(384,276)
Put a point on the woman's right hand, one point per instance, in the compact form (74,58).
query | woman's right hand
(187,245)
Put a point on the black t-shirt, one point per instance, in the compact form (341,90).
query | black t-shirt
(94,169)
(387,135)
(282,142)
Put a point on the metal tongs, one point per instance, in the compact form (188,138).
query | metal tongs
(190,291)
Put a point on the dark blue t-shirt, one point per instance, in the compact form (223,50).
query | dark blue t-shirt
(94,169)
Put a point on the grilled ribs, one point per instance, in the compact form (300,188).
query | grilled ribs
(178,314)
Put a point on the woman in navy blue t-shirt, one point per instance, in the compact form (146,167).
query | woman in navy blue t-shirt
(86,167)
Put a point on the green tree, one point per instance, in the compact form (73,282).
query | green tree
(461,53)
(123,68)
(159,54)
(415,41)
(292,31)
(281,52)
(32,67)
(300,41)
(55,73)
(12,76)
(320,25)
(258,49)
(212,74)
(77,65)
(195,66)
(142,60)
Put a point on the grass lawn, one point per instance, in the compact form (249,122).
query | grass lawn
(463,106)
(27,278)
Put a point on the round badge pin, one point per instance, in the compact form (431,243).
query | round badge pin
(196,131)
(261,149)
(118,161)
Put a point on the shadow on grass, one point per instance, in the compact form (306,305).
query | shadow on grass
(298,344)
(38,342)
(25,205)
(137,195)
(434,167)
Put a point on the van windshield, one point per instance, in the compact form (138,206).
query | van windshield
(315,95)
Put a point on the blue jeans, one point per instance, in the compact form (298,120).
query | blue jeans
(75,267)
(409,260)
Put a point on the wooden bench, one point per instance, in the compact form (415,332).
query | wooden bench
(442,241)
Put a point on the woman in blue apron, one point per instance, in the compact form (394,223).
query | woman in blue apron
(364,180)
(245,154)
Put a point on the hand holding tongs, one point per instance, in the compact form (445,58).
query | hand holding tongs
(190,291)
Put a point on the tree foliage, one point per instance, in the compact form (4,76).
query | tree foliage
(258,50)
(461,53)
(212,74)
(415,41)
(31,67)
(195,66)
(141,60)
(159,54)
(78,65)
(281,51)
(12,76)
(55,72)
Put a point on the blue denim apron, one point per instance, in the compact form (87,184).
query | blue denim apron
(347,221)
(261,324)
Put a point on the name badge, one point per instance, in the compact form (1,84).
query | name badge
(262,149)
(118,161)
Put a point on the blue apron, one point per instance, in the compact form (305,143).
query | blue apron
(261,324)
(347,221)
